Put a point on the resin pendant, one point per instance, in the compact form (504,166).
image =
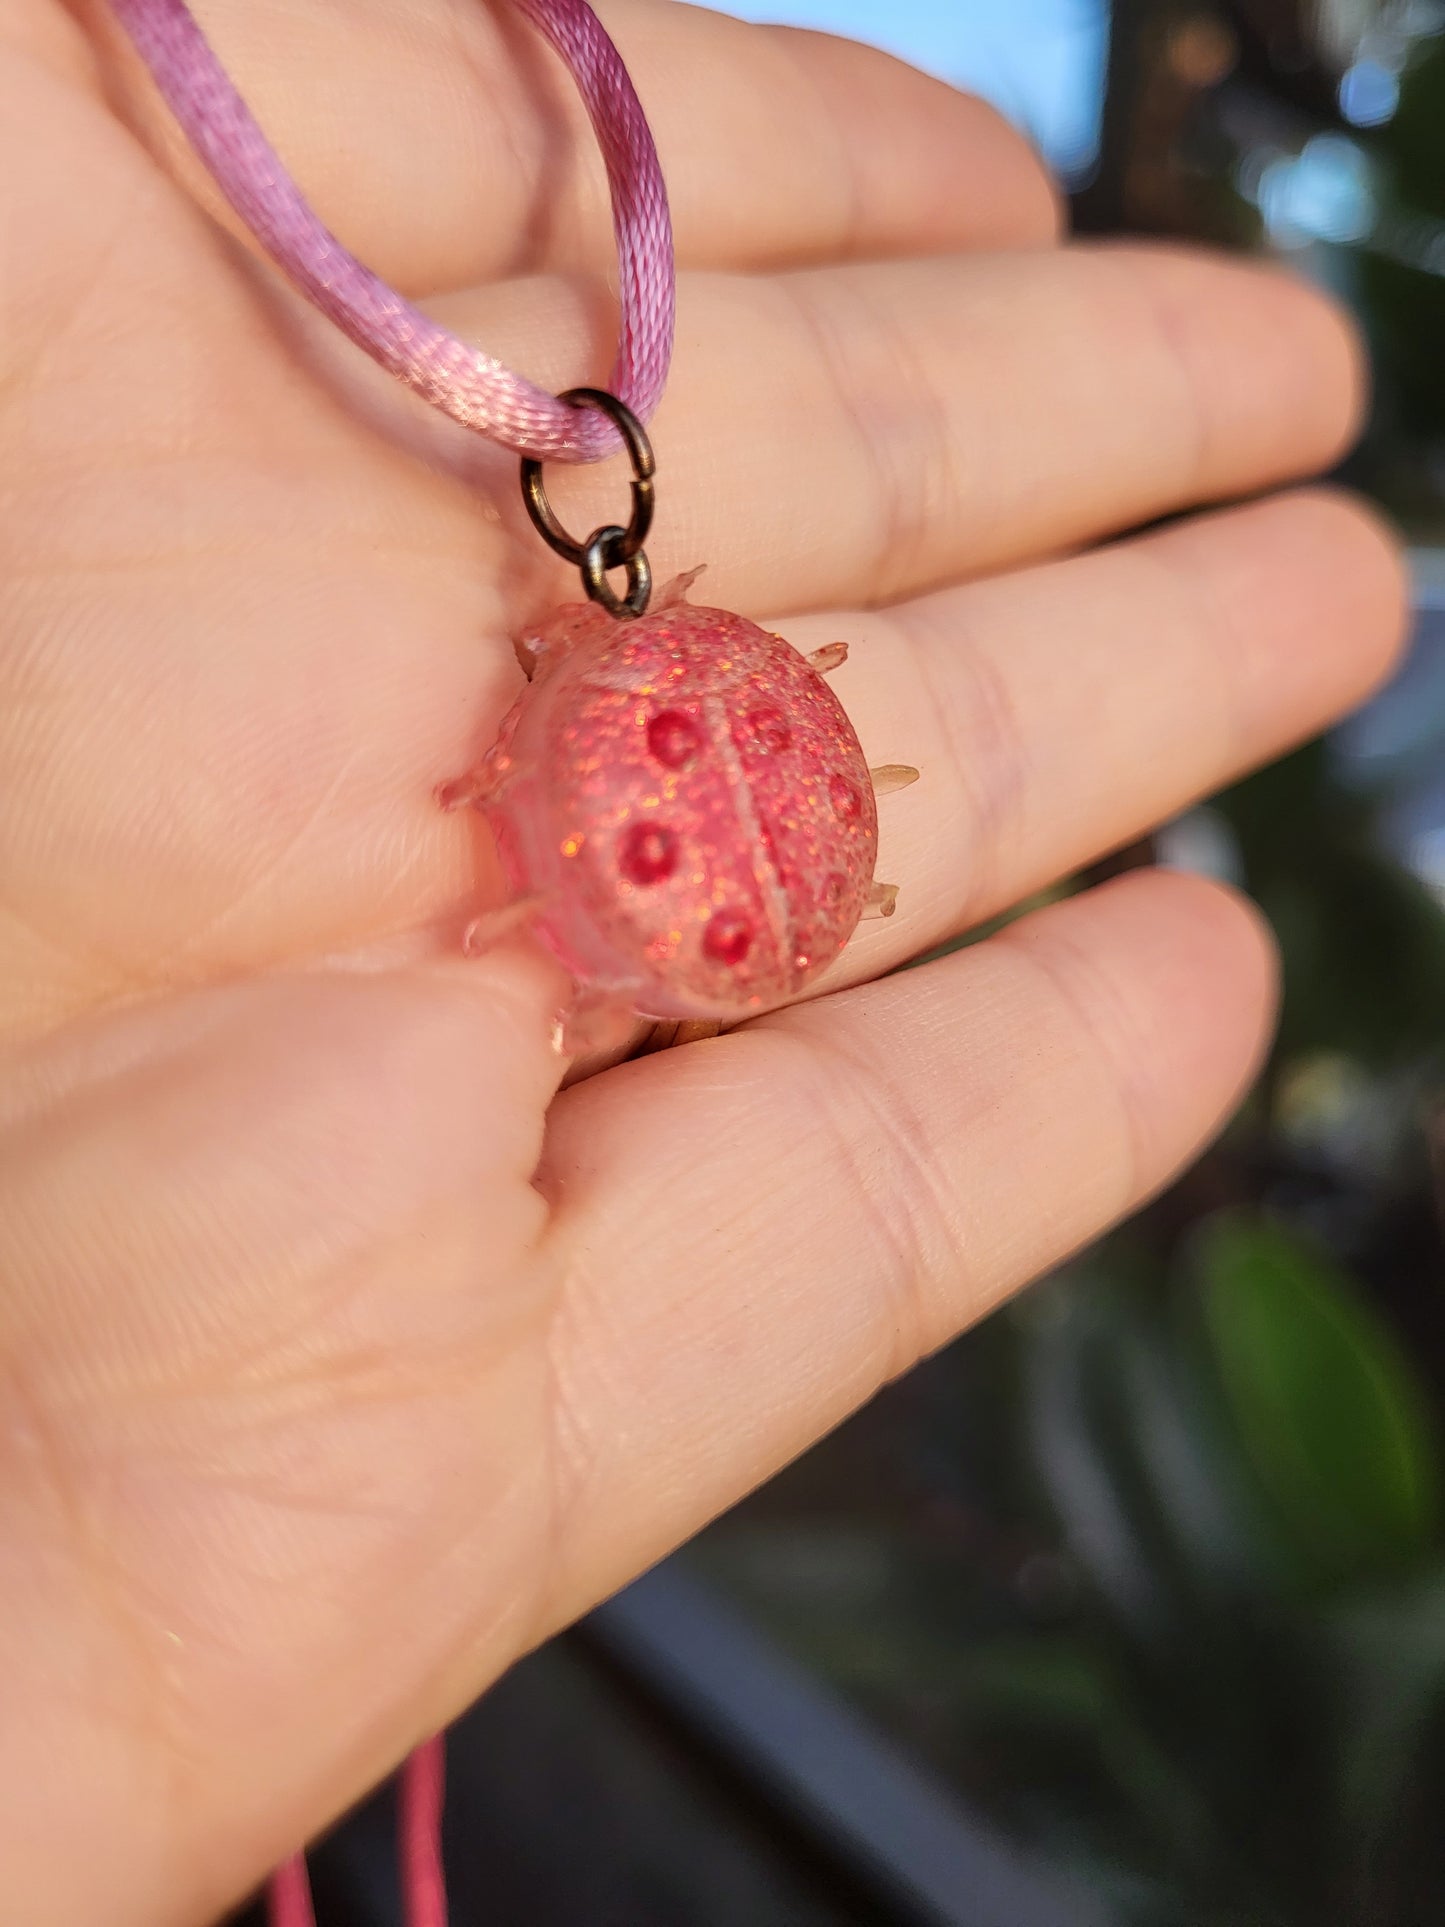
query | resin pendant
(682,810)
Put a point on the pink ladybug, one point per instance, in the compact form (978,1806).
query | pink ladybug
(682,809)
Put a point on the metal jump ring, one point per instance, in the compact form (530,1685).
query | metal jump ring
(604,552)
(611,547)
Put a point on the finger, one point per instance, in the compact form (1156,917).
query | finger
(267,1342)
(864,433)
(445,144)
(758,1231)
(1064,711)
(294,652)
(1079,704)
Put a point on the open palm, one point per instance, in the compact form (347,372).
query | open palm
(341,1358)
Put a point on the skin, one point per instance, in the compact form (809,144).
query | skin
(342,1358)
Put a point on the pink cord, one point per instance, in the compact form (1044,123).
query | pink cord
(289,1898)
(472,387)
(420,1799)
(419,1834)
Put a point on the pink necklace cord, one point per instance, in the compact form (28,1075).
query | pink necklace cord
(420,1798)
(470,386)
(288,1899)
(419,1835)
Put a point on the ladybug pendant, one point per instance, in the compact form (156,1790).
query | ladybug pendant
(682,811)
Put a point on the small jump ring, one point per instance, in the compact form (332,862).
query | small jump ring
(639,448)
(604,552)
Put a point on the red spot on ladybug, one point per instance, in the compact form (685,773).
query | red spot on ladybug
(728,938)
(673,738)
(847,803)
(769,732)
(647,853)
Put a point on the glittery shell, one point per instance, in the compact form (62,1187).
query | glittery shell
(686,800)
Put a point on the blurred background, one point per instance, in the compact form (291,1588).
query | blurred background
(1130,1607)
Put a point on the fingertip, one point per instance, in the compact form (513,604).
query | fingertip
(1325,366)
(1311,594)
(1199,935)
(1228,940)
(1332,347)
(1278,367)
(1033,205)
(1318,330)
(1214,968)
(1371,577)
(1176,978)
(944,168)
(1030,205)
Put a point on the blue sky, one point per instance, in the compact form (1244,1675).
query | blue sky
(1040,61)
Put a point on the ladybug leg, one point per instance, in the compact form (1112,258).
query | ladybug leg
(595,1021)
(832,656)
(529,652)
(483,932)
(676,591)
(882,900)
(892,776)
(468,791)
(484,779)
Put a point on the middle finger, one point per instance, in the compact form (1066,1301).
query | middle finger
(852,435)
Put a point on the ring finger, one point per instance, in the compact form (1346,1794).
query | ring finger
(1063,711)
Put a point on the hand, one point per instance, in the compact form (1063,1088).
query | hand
(343,1359)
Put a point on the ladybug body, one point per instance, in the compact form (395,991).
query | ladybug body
(683,803)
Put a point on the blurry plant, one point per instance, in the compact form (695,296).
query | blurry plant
(1243,1719)
(1402,273)
(1333,1423)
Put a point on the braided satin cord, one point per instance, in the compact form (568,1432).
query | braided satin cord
(472,387)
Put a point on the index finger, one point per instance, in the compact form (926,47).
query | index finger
(444,144)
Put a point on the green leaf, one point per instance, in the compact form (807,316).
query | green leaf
(1327,1408)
